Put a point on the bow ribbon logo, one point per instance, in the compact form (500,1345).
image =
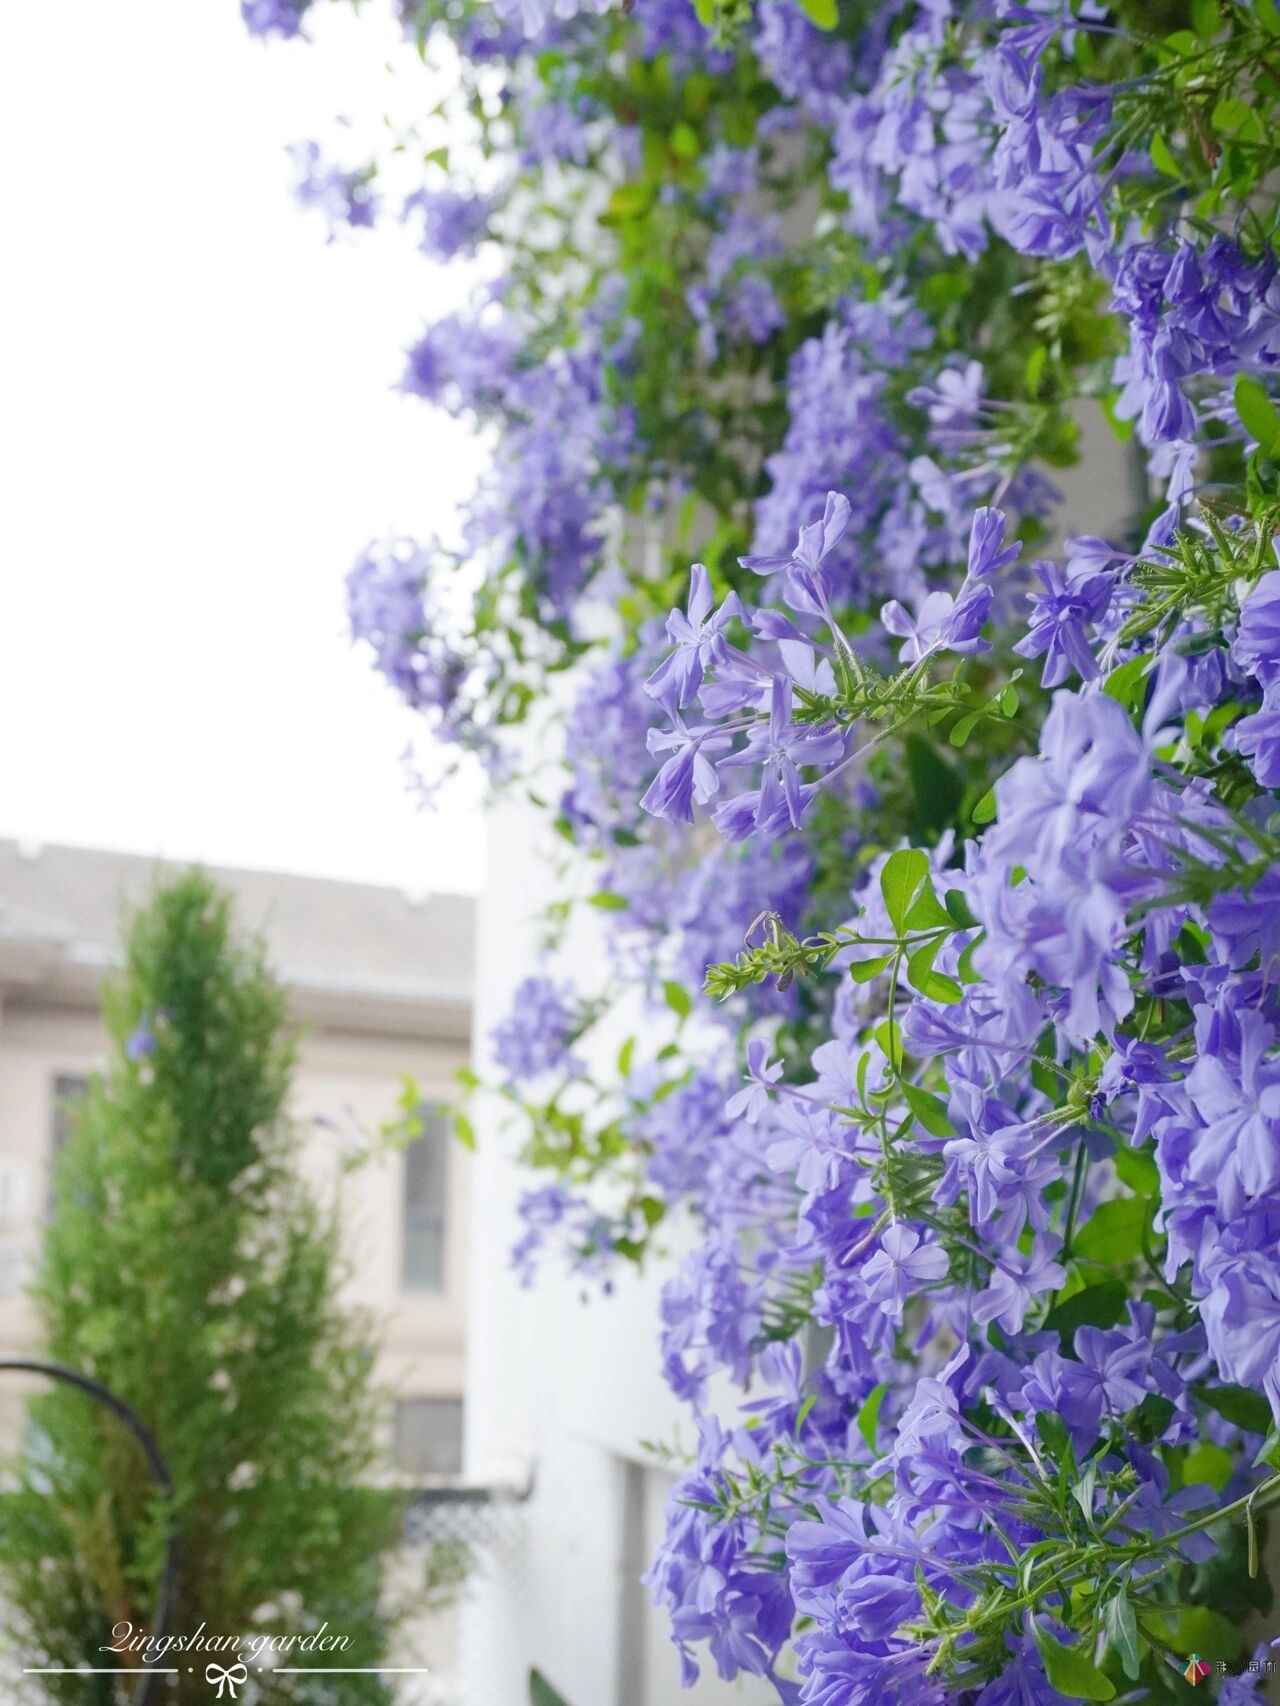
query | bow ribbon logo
(231,1679)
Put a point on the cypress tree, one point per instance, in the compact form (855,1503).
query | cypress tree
(189,1268)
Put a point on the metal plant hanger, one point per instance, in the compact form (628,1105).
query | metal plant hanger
(167,1590)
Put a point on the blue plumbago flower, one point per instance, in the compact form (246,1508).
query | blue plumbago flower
(345,198)
(688,775)
(1030,1068)
(751,1103)
(1060,618)
(1258,737)
(1256,647)
(942,624)
(816,542)
(1015,1281)
(141,1042)
(698,639)
(903,1263)
(780,748)
(536,1035)
(274,17)
(453,222)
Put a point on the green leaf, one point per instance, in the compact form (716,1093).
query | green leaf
(1084,1489)
(1151,1417)
(889,1035)
(985,810)
(939,987)
(803,1411)
(1127,685)
(965,969)
(1053,1433)
(869,1414)
(1268,16)
(958,909)
(683,141)
(1197,1629)
(920,963)
(625,1056)
(1120,1627)
(1137,1170)
(862,971)
(627,202)
(1239,1404)
(464,1131)
(1009,701)
(904,875)
(1257,413)
(1206,20)
(608,901)
(823,13)
(1069,1669)
(541,1692)
(678,999)
(1162,159)
(653,1210)
(1208,1464)
(927,911)
(929,1109)
(964,728)
(1101,1305)
(1113,1232)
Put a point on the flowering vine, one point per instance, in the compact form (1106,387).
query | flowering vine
(949,852)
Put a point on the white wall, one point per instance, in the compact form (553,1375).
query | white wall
(560,1388)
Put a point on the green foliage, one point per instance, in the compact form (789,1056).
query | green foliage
(188,1268)
(541,1692)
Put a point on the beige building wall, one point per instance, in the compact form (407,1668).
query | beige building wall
(345,1087)
(379,985)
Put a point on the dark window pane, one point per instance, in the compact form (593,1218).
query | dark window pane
(429,1436)
(426,1184)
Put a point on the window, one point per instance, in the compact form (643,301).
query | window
(428,1436)
(68,1089)
(426,1184)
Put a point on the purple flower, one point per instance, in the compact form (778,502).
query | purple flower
(1257,642)
(686,776)
(274,17)
(1015,1281)
(988,552)
(902,1264)
(1059,617)
(141,1042)
(1236,1092)
(345,198)
(1258,738)
(751,1103)
(535,1036)
(781,747)
(453,222)
(817,540)
(698,639)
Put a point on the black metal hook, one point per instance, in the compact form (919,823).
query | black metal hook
(167,1591)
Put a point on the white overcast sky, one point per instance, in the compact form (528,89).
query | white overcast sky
(197,433)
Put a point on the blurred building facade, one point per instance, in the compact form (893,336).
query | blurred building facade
(380,985)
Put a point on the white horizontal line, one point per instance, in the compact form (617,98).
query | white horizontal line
(90,1670)
(334,1670)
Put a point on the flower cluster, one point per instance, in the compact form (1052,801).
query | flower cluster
(977,836)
